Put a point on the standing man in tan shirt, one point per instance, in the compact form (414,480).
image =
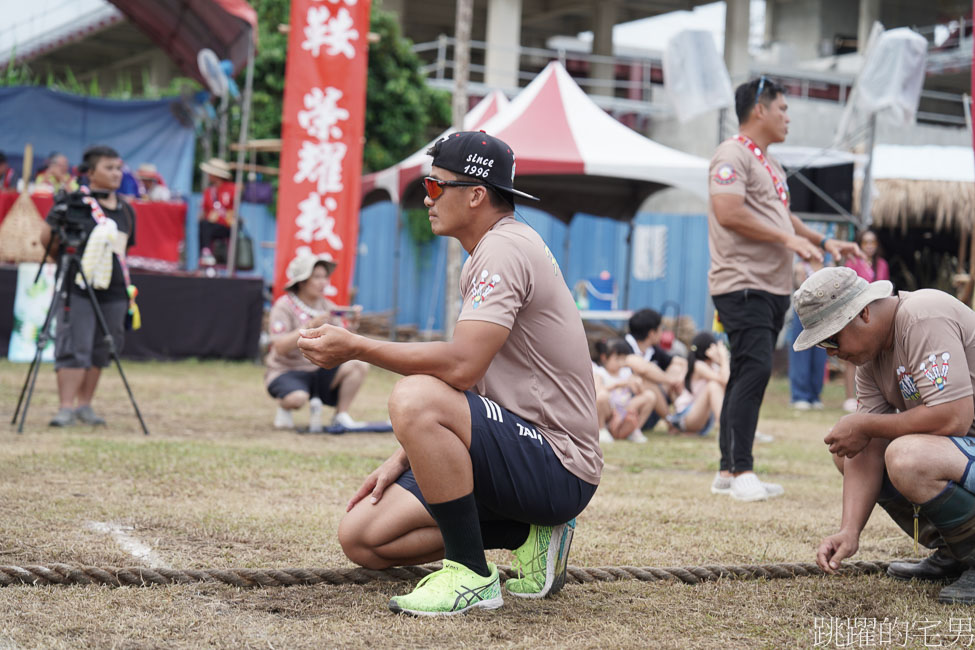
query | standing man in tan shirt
(752,238)
(497,427)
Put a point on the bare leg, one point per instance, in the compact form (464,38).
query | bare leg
(88,385)
(396,531)
(349,380)
(70,381)
(293,400)
(638,410)
(920,466)
(432,422)
(704,406)
(660,407)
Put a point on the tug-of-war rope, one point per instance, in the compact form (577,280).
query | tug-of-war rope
(66,574)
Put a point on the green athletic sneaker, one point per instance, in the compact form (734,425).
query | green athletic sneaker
(454,589)
(542,560)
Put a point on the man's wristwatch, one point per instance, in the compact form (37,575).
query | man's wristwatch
(822,242)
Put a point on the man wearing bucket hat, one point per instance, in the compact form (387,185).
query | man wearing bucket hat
(217,212)
(290,378)
(909,446)
(752,238)
(498,432)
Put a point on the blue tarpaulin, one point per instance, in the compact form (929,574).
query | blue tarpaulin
(140,130)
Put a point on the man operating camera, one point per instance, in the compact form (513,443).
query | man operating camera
(81,348)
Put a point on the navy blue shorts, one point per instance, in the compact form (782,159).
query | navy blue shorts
(966,444)
(517,476)
(317,383)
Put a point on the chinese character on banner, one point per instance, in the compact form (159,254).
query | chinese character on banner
(321,134)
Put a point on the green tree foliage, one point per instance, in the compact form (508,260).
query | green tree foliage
(402,112)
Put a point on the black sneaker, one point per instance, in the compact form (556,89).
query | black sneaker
(937,567)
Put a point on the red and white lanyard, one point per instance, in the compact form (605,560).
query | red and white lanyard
(100,218)
(780,188)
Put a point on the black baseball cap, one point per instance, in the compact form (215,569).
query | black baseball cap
(480,156)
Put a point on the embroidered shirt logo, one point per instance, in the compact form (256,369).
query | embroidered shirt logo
(551,259)
(906,383)
(483,287)
(937,375)
(725,175)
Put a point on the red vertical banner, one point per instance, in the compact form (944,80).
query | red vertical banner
(321,132)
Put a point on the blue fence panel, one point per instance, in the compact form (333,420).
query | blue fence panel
(587,247)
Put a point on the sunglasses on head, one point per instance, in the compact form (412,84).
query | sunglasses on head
(435,186)
(761,87)
(829,344)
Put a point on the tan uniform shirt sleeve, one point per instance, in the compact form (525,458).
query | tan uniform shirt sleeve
(497,283)
(938,361)
(729,171)
(870,399)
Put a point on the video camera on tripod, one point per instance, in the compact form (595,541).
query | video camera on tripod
(72,220)
(73,217)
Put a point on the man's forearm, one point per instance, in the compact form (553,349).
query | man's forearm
(949,419)
(862,479)
(742,221)
(434,358)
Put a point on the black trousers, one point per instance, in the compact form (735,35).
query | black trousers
(752,320)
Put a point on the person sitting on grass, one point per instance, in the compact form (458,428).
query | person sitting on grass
(290,378)
(698,407)
(623,404)
(497,426)
(662,372)
(910,447)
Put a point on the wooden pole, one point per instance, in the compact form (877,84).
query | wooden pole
(462,61)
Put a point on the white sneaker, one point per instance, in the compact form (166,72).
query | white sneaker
(721,484)
(818,406)
(605,437)
(315,415)
(637,436)
(283,419)
(850,405)
(345,420)
(801,405)
(763,437)
(747,487)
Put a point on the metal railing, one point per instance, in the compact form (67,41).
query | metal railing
(638,81)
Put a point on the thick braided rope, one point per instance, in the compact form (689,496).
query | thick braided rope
(66,574)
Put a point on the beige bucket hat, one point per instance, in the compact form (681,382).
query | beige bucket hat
(218,168)
(829,300)
(302,266)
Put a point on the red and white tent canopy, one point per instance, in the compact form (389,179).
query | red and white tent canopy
(391,184)
(576,157)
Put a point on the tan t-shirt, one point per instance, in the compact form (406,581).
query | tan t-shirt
(739,262)
(286,316)
(931,362)
(543,372)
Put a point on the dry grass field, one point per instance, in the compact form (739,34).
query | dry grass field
(214,486)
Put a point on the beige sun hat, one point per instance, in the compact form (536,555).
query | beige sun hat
(829,300)
(302,266)
(218,168)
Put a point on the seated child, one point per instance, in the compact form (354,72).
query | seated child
(698,407)
(623,404)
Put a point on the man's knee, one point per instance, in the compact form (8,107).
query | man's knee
(415,398)
(356,543)
(294,400)
(905,459)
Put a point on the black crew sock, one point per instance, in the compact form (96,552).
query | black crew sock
(507,534)
(460,527)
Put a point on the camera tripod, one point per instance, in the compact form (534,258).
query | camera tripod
(68,265)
